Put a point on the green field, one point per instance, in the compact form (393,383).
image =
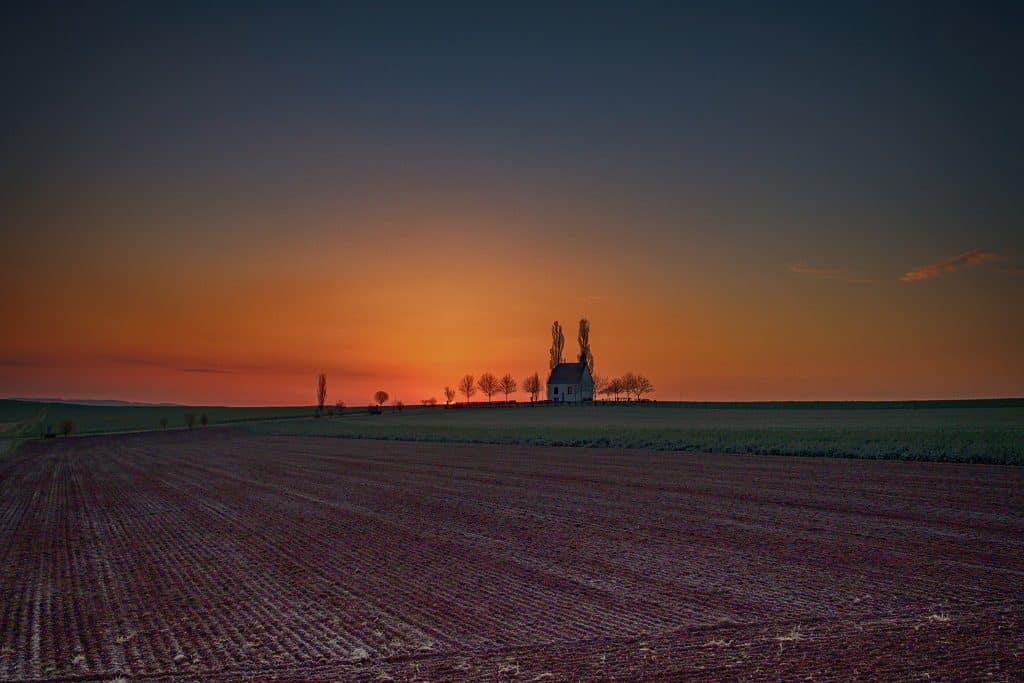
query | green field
(955,431)
(989,431)
(30,418)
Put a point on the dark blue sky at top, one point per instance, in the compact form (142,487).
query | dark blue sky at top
(850,106)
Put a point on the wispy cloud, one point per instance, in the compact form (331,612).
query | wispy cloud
(844,274)
(285,367)
(966,260)
(20,363)
(166,364)
(131,360)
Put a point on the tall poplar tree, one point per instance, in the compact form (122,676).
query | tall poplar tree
(584,339)
(557,345)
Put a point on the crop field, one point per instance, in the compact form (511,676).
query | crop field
(989,431)
(29,418)
(222,554)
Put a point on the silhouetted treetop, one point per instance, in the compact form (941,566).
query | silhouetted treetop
(467,387)
(488,384)
(557,345)
(586,355)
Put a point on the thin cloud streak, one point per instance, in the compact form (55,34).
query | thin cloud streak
(166,365)
(970,259)
(20,363)
(349,371)
(843,274)
(131,360)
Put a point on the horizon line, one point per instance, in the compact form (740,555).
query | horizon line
(122,403)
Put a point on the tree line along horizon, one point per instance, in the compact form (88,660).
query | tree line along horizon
(631,385)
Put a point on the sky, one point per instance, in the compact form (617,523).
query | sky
(765,201)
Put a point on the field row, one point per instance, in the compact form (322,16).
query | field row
(223,553)
(957,431)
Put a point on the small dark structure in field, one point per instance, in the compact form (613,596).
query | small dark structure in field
(571,382)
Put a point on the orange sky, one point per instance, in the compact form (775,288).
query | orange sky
(409,298)
(202,205)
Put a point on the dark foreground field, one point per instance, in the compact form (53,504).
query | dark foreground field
(226,555)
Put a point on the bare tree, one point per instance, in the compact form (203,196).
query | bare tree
(641,386)
(488,384)
(614,387)
(321,393)
(557,345)
(381,397)
(467,387)
(429,402)
(449,395)
(66,427)
(508,385)
(600,384)
(531,385)
(629,385)
(584,339)
(190,419)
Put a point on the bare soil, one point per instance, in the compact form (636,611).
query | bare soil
(225,555)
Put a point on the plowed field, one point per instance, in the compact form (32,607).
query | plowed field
(224,555)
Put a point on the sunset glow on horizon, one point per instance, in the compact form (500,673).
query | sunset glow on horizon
(214,212)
